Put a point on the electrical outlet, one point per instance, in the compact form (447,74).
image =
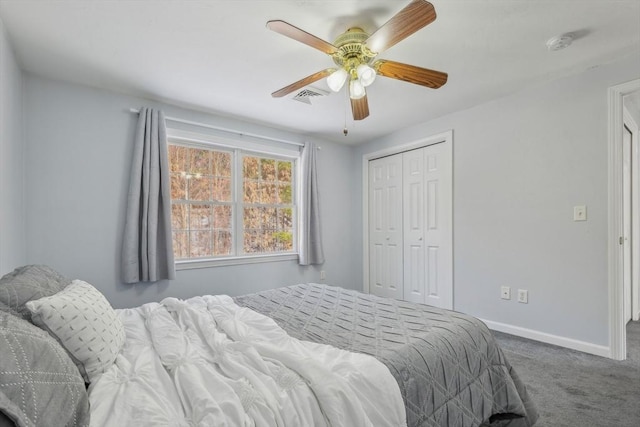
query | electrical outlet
(505,292)
(523,296)
(323,275)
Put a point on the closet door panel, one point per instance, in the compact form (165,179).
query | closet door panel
(437,187)
(385,229)
(414,223)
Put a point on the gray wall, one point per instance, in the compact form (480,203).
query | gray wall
(12,224)
(520,165)
(78,151)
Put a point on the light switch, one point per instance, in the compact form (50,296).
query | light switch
(579,213)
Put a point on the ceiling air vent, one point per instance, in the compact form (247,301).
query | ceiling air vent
(307,93)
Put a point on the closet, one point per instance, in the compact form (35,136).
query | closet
(409,225)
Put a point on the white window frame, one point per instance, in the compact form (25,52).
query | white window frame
(240,149)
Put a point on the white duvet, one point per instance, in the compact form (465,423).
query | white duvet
(208,362)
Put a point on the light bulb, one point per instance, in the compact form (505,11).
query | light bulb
(366,74)
(336,80)
(356,89)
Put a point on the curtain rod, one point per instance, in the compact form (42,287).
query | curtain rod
(234,131)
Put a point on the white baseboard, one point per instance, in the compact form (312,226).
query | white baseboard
(586,347)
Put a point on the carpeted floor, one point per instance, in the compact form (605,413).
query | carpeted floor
(574,389)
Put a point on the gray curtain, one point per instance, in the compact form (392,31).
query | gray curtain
(147,248)
(310,248)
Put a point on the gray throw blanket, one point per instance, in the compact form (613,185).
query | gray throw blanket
(450,369)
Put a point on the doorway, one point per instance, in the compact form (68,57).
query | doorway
(616,233)
(630,206)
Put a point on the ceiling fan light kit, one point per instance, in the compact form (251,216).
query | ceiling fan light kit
(356,89)
(354,52)
(337,79)
(366,74)
(353,57)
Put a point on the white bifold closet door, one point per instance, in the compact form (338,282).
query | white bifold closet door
(410,253)
(385,227)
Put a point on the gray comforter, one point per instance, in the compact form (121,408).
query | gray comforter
(450,370)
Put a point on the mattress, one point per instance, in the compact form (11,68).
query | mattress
(450,370)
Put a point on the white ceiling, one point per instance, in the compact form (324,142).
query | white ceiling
(218,56)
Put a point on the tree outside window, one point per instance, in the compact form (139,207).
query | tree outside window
(207,217)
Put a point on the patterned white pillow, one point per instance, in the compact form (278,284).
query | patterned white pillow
(84,322)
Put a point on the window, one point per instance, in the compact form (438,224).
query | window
(267,205)
(229,203)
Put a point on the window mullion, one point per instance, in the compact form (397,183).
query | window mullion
(295,200)
(238,240)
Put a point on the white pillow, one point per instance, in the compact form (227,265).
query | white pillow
(84,322)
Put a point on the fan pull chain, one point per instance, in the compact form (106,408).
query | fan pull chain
(345,131)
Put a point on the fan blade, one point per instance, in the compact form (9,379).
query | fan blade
(302,36)
(410,73)
(416,15)
(302,83)
(360,108)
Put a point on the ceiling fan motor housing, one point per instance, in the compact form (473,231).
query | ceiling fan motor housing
(351,50)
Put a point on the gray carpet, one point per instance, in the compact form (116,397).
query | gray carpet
(574,389)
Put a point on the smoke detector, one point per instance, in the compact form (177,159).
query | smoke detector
(559,42)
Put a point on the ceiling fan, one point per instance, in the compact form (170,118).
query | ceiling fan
(354,53)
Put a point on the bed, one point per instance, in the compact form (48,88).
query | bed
(450,369)
(300,355)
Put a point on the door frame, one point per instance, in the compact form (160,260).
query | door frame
(617,329)
(445,138)
(631,123)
